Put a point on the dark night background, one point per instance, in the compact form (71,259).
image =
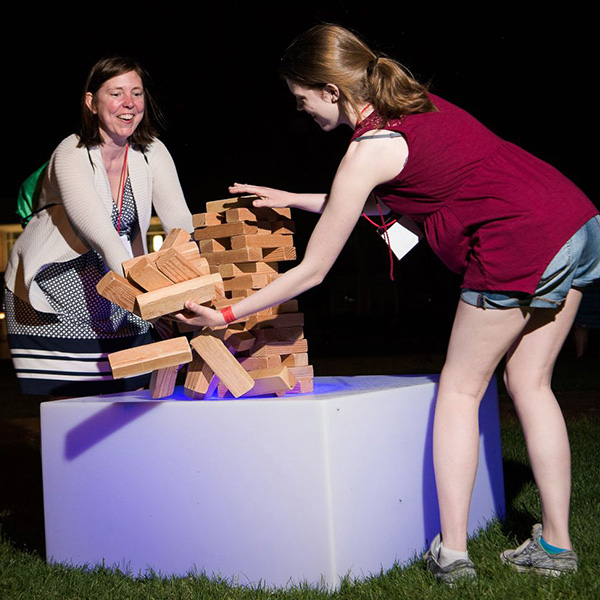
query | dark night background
(524,69)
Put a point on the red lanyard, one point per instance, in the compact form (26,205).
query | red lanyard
(122,186)
(383,228)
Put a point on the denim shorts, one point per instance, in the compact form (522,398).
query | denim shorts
(576,265)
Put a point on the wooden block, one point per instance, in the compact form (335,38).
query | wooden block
(255,363)
(277,320)
(302,372)
(253,213)
(295,360)
(172,299)
(220,245)
(145,274)
(119,290)
(233,270)
(245,255)
(298,346)
(261,241)
(228,230)
(162,382)
(229,203)
(303,386)
(188,250)
(225,366)
(174,265)
(246,282)
(150,357)
(239,341)
(278,254)
(175,237)
(207,219)
(198,378)
(285,226)
(278,334)
(272,381)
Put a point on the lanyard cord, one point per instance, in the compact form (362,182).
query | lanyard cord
(122,186)
(384,226)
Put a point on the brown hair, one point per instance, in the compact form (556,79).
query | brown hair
(331,54)
(105,69)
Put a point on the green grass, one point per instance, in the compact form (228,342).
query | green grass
(25,575)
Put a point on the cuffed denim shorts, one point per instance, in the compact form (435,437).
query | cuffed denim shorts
(576,265)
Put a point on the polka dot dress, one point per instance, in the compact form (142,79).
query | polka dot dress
(65,353)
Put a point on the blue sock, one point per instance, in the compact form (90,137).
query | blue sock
(549,548)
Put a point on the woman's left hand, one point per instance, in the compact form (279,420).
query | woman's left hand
(199,316)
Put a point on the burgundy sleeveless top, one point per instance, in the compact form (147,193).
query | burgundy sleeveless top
(490,210)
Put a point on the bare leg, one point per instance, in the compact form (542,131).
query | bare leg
(528,376)
(479,339)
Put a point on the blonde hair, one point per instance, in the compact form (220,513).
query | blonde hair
(331,54)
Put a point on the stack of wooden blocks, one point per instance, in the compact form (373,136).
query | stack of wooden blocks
(236,251)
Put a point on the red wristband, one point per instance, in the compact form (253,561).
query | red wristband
(228,314)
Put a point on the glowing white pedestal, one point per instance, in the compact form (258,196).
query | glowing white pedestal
(307,488)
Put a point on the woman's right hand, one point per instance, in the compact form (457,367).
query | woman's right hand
(268,197)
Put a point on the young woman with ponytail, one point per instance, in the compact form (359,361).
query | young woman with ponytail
(523,237)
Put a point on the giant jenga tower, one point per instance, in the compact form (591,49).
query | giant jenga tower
(236,251)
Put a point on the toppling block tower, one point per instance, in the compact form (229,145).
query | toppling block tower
(244,245)
(236,251)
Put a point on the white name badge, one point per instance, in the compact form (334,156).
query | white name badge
(402,236)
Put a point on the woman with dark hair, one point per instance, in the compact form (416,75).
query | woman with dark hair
(95,207)
(523,237)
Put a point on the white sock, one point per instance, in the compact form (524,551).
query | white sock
(446,556)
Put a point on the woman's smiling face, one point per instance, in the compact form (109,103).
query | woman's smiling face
(323,105)
(119,105)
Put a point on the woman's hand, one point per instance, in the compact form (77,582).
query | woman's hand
(198,316)
(268,197)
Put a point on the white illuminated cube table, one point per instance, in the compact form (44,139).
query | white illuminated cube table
(302,489)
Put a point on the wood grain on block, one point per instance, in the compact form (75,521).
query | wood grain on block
(278,254)
(233,270)
(145,274)
(244,255)
(162,382)
(272,381)
(255,363)
(261,241)
(214,245)
(198,378)
(172,299)
(284,319)
(175,237)
(256,213)
(207,219)
(239,341)
(150,357)
(229,203)
(188,250)
(228,230)
(225,366)
(278,334)
(299,359)
(296,347)
(253,281)
(120,291)
(176,267)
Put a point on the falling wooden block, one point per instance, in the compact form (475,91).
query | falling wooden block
(162,382)
(176,267)
(261,241)
(200,378)
(145,274)
(158,303)
(189,250)
(150,357)
(225,366)
(175,237)
(296,347)
(119,290)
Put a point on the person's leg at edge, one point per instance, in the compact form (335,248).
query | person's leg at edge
(479,339)
(529,366)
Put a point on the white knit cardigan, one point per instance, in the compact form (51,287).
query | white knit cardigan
(78,184)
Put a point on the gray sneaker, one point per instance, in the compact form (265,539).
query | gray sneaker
(454,572)
(530,557)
